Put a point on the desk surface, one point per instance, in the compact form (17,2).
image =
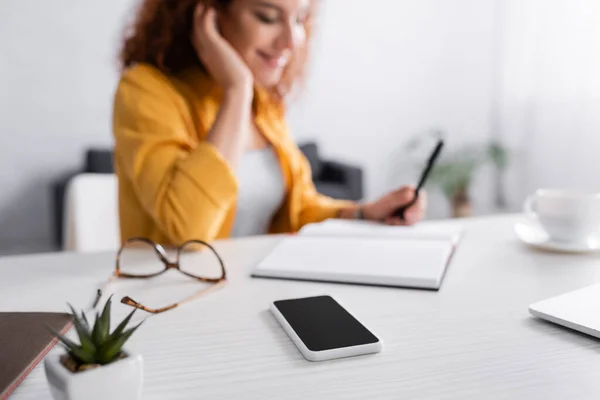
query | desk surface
(474,339)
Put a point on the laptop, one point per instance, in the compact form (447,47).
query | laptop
(578,310)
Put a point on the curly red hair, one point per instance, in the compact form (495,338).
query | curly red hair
(160,36)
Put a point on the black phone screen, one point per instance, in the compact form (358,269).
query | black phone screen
(323,324)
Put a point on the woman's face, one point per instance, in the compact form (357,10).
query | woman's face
(266,33)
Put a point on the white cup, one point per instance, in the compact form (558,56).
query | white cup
(566,215)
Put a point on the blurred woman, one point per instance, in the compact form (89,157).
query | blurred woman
(202,149)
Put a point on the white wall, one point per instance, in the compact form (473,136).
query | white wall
(385,70)
(550,99)
(58,71)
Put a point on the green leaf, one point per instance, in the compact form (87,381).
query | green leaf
(102,325)
(85,320)
(82,357)
(78,353)
(69,344)
(499,155)
(95,333)
(83,332)
(112,348)
(119,329)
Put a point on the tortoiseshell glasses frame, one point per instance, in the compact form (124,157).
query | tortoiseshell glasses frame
(164,258)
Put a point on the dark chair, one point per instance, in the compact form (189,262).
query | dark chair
(331,178)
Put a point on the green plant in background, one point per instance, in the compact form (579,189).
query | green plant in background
(97,345)
(455,170)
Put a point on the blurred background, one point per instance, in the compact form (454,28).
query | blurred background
(513,84)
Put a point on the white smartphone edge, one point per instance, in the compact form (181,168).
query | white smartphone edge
(331,354)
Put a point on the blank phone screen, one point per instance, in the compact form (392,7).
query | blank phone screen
(323,324)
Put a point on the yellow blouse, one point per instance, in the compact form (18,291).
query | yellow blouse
(175,186)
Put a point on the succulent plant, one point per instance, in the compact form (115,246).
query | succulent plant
(97,345)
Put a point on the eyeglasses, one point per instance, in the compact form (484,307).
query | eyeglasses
(202,263)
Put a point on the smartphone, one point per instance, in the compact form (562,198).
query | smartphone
(324,330)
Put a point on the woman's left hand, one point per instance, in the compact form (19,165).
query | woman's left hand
(383,209)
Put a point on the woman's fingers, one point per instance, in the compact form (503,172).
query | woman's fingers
(395,221)
(416,212)
(205,26)
(209,22)
(217,55)
(412,214)
(198,26)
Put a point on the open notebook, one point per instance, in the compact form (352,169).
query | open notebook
(364,253)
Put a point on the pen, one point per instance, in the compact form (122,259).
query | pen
(432,159)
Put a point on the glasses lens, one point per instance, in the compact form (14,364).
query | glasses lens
(200,261)
(139,258)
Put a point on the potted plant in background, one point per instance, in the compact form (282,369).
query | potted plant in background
(455,170)
(97,367)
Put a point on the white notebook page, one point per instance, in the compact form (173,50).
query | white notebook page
(363,253)
(344,228)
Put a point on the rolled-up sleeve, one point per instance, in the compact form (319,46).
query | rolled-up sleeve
(185,186)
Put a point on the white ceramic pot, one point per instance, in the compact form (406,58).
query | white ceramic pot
(121,380)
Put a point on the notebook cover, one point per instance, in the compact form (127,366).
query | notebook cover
(24,341)
(364,261)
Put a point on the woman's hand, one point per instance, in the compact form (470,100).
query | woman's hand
(222,61)
(383,209)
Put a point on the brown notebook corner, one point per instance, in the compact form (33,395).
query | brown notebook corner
(24,341)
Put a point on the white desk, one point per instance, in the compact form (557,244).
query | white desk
(473,339)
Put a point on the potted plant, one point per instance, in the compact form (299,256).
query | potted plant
(455,170)
(97,367)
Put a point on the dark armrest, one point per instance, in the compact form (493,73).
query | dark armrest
(59,188)
(311,152)
(349,175)
(99,161)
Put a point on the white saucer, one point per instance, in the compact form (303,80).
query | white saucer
(534,235)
